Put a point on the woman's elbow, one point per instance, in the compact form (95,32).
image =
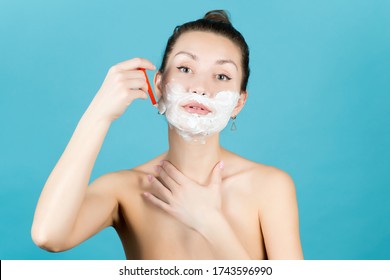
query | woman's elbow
(46,241)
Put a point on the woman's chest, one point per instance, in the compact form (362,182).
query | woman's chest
(160,236)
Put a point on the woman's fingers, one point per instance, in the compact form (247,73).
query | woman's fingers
(124,83)
(135,84)
(136,93)
(159,190)
(167,180)
(130,75)
(174,173)
(216,175)
(135,63)
(184,199)
(157,202)
(134,80)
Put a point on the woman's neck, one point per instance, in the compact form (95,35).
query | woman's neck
(194,159)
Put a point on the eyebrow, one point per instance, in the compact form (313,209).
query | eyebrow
(225,61)
(219,61)
(191,55)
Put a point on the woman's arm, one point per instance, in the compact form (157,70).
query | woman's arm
(278,215)
(65,190)
(67,211)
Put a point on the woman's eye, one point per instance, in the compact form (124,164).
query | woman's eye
(184,69)
(223,77)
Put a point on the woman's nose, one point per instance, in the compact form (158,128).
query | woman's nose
(199,85)
(198,90)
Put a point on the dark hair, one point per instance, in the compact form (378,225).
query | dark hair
(218,22)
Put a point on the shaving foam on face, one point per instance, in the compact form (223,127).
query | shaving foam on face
(191,126)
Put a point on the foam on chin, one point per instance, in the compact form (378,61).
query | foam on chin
(195,127)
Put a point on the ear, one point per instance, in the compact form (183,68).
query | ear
(158,84)
(240,103)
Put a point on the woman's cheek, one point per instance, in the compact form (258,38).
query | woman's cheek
(178,79)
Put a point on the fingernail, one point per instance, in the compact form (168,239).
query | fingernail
(157,168)
(150,178)
(221,164)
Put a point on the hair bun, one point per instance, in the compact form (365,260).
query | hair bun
(217,16)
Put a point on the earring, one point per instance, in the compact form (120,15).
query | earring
(233,127)
(161,107)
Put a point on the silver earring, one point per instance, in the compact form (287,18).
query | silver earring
(233,126)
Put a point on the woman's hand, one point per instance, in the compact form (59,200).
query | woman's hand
(123,84)
(198,207)
(185,200)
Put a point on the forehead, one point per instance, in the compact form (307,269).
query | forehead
(207,45)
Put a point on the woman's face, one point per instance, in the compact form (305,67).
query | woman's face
(200,87)
(205,63)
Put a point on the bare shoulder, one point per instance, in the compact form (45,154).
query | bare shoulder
(112,188)
(274,196)
(276,201)
(273,180)
(124,181)
(271,184)
(266,181)
(114,181)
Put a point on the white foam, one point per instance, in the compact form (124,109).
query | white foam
(196,127)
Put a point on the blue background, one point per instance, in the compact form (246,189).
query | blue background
(318,107)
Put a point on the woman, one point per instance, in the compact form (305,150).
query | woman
(197,200)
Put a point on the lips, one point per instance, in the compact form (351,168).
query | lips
(196,108)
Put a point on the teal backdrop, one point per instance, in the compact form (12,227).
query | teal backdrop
(318,108)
